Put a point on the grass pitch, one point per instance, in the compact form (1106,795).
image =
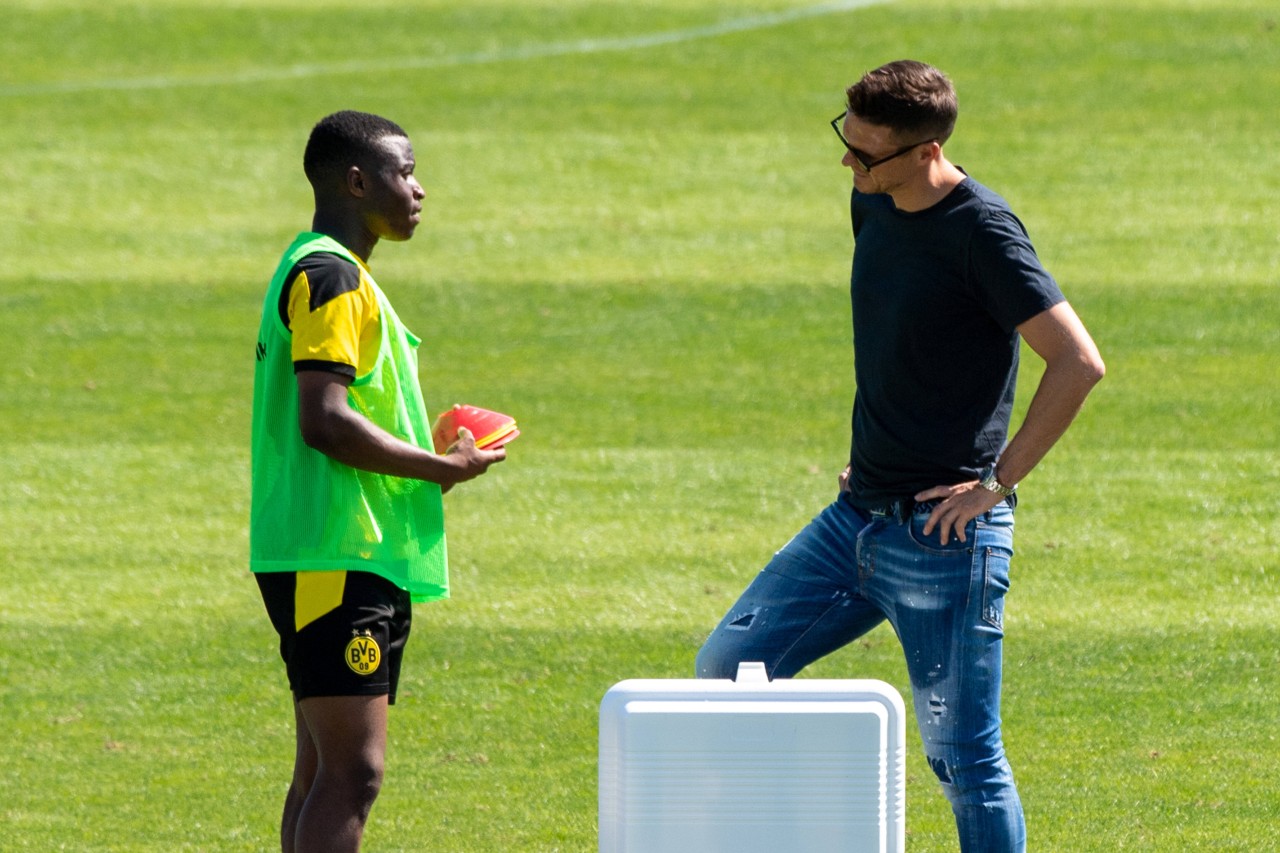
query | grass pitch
(636,242)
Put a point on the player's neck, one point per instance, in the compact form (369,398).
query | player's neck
(347,231)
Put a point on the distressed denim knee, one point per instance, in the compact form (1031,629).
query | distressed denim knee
(989,817)
(725,648)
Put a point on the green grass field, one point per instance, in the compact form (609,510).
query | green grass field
(637,241)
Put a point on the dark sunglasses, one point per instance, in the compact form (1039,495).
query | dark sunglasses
(860,157)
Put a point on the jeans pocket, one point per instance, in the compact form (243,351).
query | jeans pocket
(933,542)
(995,583)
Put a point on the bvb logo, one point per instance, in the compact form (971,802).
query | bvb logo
(363,654)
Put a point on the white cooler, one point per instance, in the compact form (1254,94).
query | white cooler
(752,766)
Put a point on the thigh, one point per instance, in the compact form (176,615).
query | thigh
(947,606)
(349,733)
(802,606)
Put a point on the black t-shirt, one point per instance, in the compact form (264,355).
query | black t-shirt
(937,296)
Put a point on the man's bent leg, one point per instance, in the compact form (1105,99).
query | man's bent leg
(804,605)
(350,737)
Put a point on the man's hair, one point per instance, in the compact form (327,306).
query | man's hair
(911,98)
(342,140)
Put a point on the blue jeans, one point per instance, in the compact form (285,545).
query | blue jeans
(850,569)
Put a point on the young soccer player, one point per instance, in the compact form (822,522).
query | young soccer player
(347,527)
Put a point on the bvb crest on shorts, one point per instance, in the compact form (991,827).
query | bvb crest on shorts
(363,654)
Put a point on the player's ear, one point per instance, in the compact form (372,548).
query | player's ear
(355,182)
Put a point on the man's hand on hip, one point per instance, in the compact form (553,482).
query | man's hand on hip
(961,504)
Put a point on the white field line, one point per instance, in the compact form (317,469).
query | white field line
(511,54)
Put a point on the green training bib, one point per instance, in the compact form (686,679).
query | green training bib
(312,513)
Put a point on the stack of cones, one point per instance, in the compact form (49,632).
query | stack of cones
(490,429)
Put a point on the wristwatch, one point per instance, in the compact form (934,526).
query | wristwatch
(987,480)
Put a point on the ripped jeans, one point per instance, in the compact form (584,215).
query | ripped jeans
(850,569)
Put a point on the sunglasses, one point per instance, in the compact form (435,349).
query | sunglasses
(860,157)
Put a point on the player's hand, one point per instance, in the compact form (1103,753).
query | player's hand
(961,504)
(471,461)
(438,436)
(843,479)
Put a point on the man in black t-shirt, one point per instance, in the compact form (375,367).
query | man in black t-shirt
(945,284)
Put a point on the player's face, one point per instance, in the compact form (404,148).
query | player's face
(393,193)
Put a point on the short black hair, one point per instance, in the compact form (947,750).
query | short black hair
(344,139)
(911,98)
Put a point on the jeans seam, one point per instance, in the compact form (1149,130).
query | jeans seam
(842,596)
(858,542)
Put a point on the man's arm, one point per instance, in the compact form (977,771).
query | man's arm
(1072,367)
(332,427)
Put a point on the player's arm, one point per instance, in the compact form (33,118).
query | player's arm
(331,426)
(1072,367)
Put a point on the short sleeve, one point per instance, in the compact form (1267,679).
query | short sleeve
(1007,273)
(330,313)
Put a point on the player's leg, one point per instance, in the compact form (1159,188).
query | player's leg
(279,595)
(342,638)
(304,772)
(350,738)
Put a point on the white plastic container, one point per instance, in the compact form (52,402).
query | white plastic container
(752,766)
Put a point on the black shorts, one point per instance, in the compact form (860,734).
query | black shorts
(355,625)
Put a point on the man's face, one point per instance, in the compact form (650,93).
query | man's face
(393,194)
(874,143)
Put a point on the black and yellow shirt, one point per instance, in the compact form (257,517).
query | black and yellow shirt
(329,306)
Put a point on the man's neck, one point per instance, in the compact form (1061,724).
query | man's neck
(937,183)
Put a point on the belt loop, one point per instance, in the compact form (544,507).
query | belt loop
(902,509)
